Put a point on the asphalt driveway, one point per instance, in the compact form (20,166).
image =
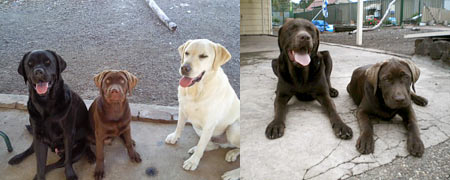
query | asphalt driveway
(96,35)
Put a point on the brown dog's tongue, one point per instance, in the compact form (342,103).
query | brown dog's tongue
(185,81)
(302,58)
(41,88)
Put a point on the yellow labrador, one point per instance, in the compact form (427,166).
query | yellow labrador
(208,101)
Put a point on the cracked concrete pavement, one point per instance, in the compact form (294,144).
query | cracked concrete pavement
(309,149)
(166,160)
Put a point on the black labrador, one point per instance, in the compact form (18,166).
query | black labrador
(58,116)
(382,90)
(303,72)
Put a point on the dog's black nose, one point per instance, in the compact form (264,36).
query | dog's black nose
(38,72)
(186,68)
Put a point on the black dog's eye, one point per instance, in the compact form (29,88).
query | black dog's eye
(47,62)
(203,56)
(30,63)
(186,53)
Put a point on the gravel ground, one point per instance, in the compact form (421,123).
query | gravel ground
(96,35)
(433,165)
(378,39)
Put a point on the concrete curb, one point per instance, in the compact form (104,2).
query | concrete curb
(139,112)
(369,49)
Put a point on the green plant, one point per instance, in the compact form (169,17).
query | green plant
(387,21)
(276,20)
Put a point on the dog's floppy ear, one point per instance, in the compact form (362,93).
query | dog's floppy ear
(415,71)
(279,38)
(132,80)
(182,48)
(98,78)
(372,75)
(21,68)
(60,63)
(316,42)
(222,56)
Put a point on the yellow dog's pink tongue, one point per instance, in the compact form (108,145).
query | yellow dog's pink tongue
(41,88)
(185,81)
(302,58)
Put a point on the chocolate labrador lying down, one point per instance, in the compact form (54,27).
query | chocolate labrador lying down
(383,90)
(58,116)
(305,73)
(110,114)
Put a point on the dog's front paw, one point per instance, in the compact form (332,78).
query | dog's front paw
(99,173)
(172,138)
(419,100)
(134,156)
(275,129)
(342,131)
(334,92)
(192,150)
(415,146)
(232,155)
(231,175)
(15,160)
(191,164)
(365,144)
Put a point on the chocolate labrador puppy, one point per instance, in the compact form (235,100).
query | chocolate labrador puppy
(58,116)
(305,73)
(383,90)
(110,113)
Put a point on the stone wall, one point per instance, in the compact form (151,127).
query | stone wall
(436,49)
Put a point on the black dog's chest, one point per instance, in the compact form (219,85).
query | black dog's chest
(50,133)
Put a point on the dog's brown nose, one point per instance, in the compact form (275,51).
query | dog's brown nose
(114,90)
(304,37)
(186,68)
(399,98)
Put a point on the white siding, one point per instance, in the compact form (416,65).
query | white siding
(256,17)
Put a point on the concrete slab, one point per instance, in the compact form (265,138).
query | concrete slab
(430,34)
(309,149)
(149,137)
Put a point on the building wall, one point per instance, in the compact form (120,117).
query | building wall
(256,17)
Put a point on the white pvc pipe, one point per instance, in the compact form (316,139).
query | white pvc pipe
(359,23)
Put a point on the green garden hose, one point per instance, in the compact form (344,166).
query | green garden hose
(8,143)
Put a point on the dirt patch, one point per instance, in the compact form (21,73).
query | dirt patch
(96,35)
(388,39)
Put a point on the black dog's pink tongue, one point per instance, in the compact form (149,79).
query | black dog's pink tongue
(301,58)
(185,81)
(41,88)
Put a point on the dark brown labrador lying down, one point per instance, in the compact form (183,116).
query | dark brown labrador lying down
(383,90)
(305,73)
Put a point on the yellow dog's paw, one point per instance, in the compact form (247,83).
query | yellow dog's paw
(171,138)
(191,164)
